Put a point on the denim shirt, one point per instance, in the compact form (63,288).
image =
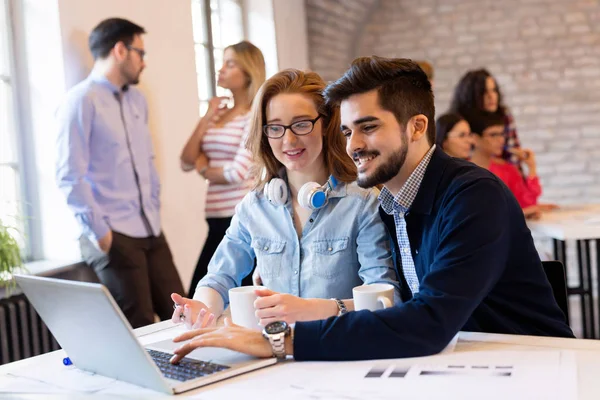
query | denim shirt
(343,245)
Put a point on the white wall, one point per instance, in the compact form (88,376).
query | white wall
(291,34)
(169,82)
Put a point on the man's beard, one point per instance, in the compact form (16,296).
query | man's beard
(131,78)
(385,172)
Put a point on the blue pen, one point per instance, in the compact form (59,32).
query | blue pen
(67,361)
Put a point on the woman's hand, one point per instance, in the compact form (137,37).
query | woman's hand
(256,280)
(532,212)
(216,109)
(272,306)
(202,163)
(527,157)
(547,206)
(193,313)
(229,336)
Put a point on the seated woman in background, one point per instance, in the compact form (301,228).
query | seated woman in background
(315,234)
(489,140)
(453,135)
(478,91)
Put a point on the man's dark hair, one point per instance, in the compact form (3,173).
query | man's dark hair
(481,120)
(402,86)
(468,94)
(109,32)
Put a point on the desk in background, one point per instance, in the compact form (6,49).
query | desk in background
(580,224)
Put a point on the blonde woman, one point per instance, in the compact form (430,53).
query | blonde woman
(216,149)
(314,233)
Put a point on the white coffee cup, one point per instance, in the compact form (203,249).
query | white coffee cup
(373,297)
(241,302)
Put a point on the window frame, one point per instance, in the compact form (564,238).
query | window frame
(209,46)
(25,164)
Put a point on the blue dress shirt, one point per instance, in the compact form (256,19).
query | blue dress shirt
(398,206)
(105,162)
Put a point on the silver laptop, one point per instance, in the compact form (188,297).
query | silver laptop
(90,327)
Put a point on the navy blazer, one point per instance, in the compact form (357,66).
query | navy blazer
(478,271)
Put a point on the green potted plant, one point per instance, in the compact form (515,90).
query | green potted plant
(10,255)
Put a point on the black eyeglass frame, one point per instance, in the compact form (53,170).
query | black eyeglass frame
(291,128)
(141,52)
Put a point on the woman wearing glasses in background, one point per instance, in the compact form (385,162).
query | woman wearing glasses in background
(453,135)
(314,232)
(216,149)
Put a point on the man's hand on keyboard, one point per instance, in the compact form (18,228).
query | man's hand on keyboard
(229,336)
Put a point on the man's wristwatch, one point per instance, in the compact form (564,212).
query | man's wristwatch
(275,333)
(341,307)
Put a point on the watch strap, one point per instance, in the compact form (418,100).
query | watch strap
(277,341)
(278,345)
(341,307)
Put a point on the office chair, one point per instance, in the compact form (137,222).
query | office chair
(555,272)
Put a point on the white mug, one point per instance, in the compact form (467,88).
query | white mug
(241,303)
(373,297)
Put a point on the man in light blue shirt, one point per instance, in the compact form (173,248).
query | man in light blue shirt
(105,168)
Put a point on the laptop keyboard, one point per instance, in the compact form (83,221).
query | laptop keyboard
(186,369)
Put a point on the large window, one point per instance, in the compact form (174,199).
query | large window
(217,24)
(11,200)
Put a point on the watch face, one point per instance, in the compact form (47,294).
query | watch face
(276,327)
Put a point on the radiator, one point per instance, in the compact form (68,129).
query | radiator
(23,334)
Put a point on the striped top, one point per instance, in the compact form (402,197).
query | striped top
(225,147)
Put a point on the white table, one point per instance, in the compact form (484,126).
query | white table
(587,353)
(580,224)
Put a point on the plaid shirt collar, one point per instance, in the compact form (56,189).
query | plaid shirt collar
(405,197)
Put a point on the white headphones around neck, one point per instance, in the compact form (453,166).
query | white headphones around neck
(311,195)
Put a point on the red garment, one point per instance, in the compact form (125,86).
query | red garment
(525,190)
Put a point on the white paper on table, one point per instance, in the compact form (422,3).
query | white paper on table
(451,346)
(548,375)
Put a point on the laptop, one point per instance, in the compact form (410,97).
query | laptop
(88,324)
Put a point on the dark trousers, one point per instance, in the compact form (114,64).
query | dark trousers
(139,273)
(216,232)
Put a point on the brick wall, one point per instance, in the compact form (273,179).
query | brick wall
(544,53)
(333,28)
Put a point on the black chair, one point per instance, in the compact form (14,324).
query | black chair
(555,272)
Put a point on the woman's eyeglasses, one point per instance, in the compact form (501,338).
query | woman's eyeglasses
(299,128)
